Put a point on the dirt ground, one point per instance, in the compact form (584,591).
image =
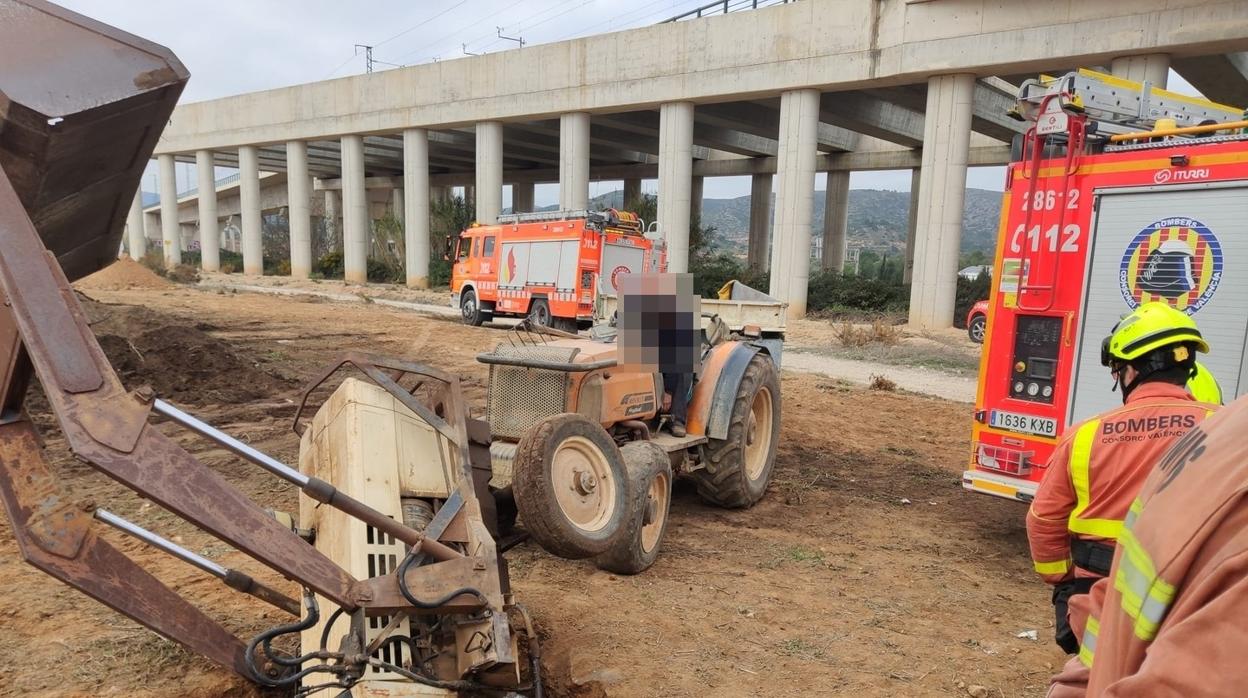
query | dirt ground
(866,570)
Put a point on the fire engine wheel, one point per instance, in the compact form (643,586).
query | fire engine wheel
(975,330)
(650,500)
(739,467)
(470,308)
(571,486)
(539,313)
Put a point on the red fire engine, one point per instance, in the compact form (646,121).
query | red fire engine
(1122,194)
(549,266)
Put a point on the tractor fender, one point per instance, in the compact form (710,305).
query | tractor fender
(710,410)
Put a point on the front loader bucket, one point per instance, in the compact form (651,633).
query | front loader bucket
(81,107)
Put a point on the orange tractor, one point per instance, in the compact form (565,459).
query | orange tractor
(579,442)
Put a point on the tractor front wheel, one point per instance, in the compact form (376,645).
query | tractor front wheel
(571,486)
(739,467)
(650,500)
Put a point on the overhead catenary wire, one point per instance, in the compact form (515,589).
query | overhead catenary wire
(418,25)
(493,21)
(611,21)
(561,9)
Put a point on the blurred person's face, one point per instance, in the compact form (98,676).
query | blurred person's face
(659,323)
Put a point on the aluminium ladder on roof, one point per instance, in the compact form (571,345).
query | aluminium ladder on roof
(542,216)
(1118,105)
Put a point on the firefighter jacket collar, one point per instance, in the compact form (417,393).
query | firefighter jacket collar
(1150,390)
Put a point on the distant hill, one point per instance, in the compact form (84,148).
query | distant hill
(877,218)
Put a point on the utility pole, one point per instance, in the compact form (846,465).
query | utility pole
(517,39)
(368,56)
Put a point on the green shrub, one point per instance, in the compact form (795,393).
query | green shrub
(329,265)
(968,293)
(711,272)
(828,289)
(439,273)
(385,271)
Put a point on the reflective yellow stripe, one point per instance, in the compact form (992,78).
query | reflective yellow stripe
(1087,646)
(1101,528)
(1146,596)
(1080,477)
(1059,567)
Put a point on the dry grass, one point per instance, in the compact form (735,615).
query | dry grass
(183,274)
(879,332)
(882,383)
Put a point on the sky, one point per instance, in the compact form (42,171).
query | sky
(232,47)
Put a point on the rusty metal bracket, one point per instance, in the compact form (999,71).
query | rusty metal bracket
(94,567)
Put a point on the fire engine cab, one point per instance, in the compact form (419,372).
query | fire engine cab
(549,266)
(1121,193)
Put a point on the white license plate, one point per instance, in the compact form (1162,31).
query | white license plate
(1023,423)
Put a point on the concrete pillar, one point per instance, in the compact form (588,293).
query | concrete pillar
(1153,67)
(169,234)
(907,273)
(186,234)
(134,227)
(299,209)
(695,198)
(151,225)
(835,220)
(249,205)
(760,221)
(632,191)
(355,226)
(942,191)
(489,171)
(790,253)
(209,235)
(333,216)
(416,206)
(574,161)
(675,181)
(396,204)
(522,197)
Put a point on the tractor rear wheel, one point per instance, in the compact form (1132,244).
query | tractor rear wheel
(571,486)
(650,500)
(739,467)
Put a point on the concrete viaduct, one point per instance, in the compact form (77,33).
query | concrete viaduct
(781,92)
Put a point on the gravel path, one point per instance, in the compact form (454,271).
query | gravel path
(910,379)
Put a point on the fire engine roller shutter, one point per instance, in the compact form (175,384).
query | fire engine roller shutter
(1122,215)
(539,263)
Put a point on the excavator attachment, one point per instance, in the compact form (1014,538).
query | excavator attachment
(81,108)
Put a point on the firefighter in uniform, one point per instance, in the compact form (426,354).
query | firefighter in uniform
(1099,465)
(1172,618)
